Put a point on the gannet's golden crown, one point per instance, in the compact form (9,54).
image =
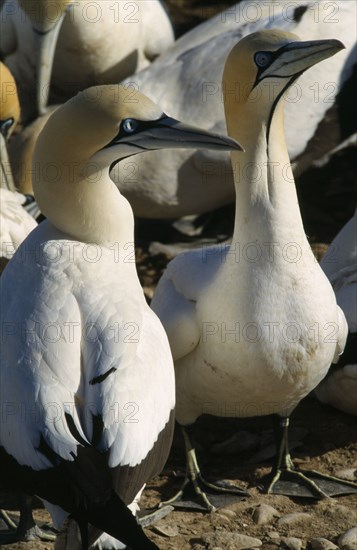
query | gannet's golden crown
(273,54)
(44,14)
(9,101)
(90,120)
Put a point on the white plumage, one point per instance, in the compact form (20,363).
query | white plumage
(248,323)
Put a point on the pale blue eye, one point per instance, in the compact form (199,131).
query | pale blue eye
(129,125)
(262,59)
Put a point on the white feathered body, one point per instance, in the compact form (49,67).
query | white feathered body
(71,312)
(263,333)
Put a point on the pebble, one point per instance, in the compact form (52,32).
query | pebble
(221,518)
(292,543)
(227,512)
(274,535)
(165,530)
(264,514)
(348,541)
(322,544)
(348,473)
(231,541)
(294,518)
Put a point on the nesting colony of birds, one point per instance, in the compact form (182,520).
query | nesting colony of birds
(178,341)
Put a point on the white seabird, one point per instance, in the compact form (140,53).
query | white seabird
(87,380)
(80,44)
(246,322)
(15,222)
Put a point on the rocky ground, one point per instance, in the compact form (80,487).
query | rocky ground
(322,438)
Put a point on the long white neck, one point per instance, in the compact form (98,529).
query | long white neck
(79,198)
(267,208)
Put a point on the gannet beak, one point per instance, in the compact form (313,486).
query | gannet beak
(168,133)
(294,58)
(7,181)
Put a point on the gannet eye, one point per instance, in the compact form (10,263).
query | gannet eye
(129,125)
(262,59)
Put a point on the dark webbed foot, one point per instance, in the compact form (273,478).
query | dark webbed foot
(197,493)
(285,479)
(26,530)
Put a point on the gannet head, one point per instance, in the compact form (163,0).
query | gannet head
(9,102)
(106,123)
(264,64)
(46,18)
(85,136)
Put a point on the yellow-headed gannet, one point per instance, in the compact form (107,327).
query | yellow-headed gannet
(98,43)
(87,379)
(186,81)
(339,388)
(248,323)
(15,222)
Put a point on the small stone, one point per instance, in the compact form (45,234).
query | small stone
(348,541)
(221,518)
(274,535)
(292,543)
(165,530)
(294,518)
(264,514)
(227,512)
(231,541)
(323,544)
(350,474)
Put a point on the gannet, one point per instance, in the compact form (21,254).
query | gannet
(179,182)
(339,388)
(87,380)
(248,322)
(97,43)
(15,222)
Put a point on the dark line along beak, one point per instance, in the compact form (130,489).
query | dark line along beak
(169,133)
(296,57)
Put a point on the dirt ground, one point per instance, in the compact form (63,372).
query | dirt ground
(323,438)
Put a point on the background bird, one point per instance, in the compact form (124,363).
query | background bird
(74,45)
(339,388)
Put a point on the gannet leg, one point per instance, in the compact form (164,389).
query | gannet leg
(26,530)
(206,494)
(286,479)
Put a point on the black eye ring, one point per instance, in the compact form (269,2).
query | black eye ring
(262,59)
(129,125)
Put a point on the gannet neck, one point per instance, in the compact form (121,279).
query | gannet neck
(267,202)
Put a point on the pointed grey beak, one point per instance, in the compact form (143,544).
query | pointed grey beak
(294,58)
(169,133)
